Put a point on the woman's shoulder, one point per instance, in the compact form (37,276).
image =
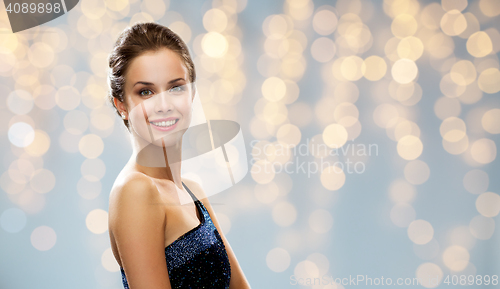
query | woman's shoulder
(133,186)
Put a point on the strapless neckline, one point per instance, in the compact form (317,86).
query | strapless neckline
(190,259)
(198,205)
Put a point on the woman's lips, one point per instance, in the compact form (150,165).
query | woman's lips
(163,128)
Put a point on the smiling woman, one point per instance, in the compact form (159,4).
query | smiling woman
(163,230)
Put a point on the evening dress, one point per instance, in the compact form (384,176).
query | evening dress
(198,258)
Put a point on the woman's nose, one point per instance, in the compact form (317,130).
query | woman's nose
(163,102)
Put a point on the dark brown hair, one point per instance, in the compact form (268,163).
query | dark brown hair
(133,42)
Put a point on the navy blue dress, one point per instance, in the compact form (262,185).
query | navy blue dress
(197,259)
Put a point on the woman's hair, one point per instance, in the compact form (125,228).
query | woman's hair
(133,42)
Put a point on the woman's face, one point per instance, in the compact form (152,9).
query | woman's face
(159,97)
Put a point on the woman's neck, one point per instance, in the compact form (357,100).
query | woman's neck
(157,161)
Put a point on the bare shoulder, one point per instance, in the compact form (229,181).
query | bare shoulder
(134,187)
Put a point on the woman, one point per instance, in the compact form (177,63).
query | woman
(159,239)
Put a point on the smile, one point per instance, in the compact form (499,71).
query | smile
(165,123)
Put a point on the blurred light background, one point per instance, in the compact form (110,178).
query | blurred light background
(371,128)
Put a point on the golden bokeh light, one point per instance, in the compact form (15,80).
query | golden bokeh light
(320,221)
(449,5)
(456,258)
(332,178)
(491,121)
(410,47)
(456,147)
(400,191)
(41,55)
(262,171)
(140,17)
(20,102)
(489,80)
(482,227)
(42,181)
(289,135)
(476,181)
(273,89)
(40,144)
(278,259)
(472,94)
(488,204)
(483,151)
(97,221)
(94,9)
(351,68)
(108,261)
(479,44)
(374,68)
(409,147)
(214,44)
(473,25)
(324,22)
(89,28)
(91,146)
(451,88)
(93,169)
(452,129)
(43,238)
(404,25)
(431,16)
(446,107)
(215,20)
(463,72)
(417,172)
(420,232)
(277,48)
(118,5)
(67,97)
(404,71)
(335,135)
(323,49)
(299,9)
(405,128)
(461,236)
(386,115)
(277,26)
(346,92)
(453,23)
(429,269)
(490,8)
(439,45)
(182,29)
(346,114)
(396,7)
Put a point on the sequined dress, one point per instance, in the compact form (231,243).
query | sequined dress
(197,259)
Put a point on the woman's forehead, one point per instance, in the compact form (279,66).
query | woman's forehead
(157,66)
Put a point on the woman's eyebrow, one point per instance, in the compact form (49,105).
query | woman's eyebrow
(149,83)
(175,80)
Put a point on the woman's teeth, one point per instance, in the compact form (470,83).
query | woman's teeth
(165,123)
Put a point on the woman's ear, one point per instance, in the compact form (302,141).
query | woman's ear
(119,105)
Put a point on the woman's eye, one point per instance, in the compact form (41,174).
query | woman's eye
(145,92)
(177,89)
